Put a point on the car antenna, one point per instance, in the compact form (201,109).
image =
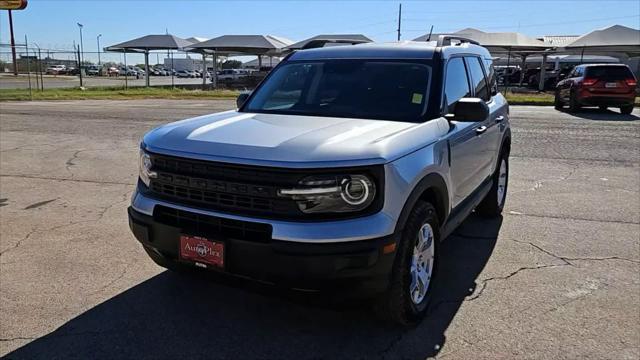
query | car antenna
(430,32)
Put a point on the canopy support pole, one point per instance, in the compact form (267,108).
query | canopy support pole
(259,62)
(214,76)
(506,78)
(204,71)
(126,69)
(543,68)
(523,66)
(146,68)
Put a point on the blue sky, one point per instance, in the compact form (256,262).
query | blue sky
(52,23)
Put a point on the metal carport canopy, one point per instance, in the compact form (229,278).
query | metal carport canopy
(149,43)
(616,38)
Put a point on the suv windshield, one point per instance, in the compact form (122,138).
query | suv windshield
(370,89)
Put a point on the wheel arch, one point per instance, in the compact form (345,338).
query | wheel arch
(431,188)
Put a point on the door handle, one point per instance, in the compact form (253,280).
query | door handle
(481,130)
(499,119)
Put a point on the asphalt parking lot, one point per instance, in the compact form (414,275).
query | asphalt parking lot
(557,277)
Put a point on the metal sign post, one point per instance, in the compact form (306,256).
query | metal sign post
(13,5)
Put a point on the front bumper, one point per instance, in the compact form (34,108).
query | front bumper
(360,266)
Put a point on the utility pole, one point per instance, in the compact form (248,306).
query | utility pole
(399,20)
(81,47)
(98,38)
(13,45)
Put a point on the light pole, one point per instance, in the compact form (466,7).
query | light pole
(98,38)
(81,47)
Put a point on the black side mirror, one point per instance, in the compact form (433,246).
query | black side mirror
(241,99)
(471,110)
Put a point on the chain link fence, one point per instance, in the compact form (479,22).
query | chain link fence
(41,69)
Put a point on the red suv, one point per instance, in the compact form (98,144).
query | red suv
(602,85)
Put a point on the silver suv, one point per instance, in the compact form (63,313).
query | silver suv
(342,171)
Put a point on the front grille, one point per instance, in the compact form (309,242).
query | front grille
(243,189)
(218,186)
(211,226)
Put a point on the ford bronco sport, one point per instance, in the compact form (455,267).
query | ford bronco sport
(343,170)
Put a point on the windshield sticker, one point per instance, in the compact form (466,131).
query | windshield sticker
(417,98)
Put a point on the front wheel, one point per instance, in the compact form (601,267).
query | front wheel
(493,203)
(626,110)
(557,102)
(414,269)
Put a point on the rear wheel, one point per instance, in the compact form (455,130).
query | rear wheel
(493,202)
(573,103)
(626,110)
(414,269)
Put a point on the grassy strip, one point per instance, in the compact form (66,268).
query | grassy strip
(542,99)
(116,93)
(111,93)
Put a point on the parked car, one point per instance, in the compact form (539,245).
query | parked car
(72,71)
(113,71)
(602,85)
(342,171)
(231,74)
(56,70)
(93,70)
(127,71)
(184,74)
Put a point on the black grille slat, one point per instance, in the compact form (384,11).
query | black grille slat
(211,226)
(225,187)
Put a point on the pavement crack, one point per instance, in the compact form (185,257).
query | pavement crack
(567,260)
(19,242)
(39,203)
(69,163)
(18,338)
(65,179)
(485,283)
(573,218)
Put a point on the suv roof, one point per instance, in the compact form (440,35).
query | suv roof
(394,50)
(604,64)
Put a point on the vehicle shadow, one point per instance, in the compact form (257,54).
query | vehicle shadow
(603,115)
(178,316)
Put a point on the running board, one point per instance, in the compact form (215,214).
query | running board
(462,211)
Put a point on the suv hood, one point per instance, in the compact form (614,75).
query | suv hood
(292,140)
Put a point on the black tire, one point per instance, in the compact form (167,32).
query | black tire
(557,102)
(491,206)
(573,103)
(626,110)
(396,305)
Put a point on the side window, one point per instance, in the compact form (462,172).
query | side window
(478,81)
(456,85)
(491,76)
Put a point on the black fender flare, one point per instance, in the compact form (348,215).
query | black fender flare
(431,181)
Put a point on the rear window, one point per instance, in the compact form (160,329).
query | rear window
(609,72)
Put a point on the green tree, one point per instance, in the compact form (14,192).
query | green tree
(231,64)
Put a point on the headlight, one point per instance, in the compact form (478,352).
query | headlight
(332,194)
(145,168)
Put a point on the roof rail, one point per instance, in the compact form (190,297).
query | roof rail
(317,43)
(445,40)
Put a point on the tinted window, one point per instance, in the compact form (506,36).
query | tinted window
(366,89)
(609,72)
(478,80)
(456,85)
(491,75)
